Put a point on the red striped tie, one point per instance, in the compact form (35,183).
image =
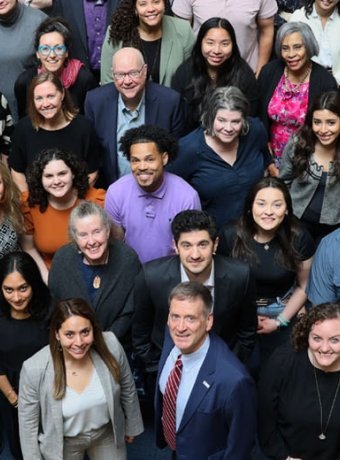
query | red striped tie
(169,404)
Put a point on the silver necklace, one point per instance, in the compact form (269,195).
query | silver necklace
(322,435)
(264,245)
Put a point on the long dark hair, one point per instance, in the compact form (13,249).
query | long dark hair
(64,310)
(286,234)
(37,193)
(305,138)
(228,74)
(21,262)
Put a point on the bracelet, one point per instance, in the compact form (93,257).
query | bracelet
(282,320)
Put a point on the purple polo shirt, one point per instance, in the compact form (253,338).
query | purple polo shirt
(146,217)
(95,19)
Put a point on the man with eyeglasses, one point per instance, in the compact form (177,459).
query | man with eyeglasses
(130,101)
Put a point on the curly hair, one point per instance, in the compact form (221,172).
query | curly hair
(21,262)
(124,25)
(309,7)
(164,141)
(10,201)
(37,193)
(305,139)
(68,109)
(286,234)
(64,310)
(303,327)
(228,74)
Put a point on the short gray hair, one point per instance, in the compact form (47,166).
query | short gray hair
(225,98)
(192,290)
(308,38)
(85,209)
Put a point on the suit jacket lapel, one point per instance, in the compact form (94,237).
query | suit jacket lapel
(204,382)
(56,405)
(105,379)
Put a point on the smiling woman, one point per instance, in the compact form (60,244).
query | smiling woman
(311,167)
(53,47)
(299,392)
(78,393)
(279,251)
(52,122)
(25,303)
(57,182)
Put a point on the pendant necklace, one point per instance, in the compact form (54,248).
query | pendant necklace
(265,245)
(322,435)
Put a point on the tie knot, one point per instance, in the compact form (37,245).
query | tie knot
(179,362)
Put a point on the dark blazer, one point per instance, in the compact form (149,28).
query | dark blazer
(219,420)
(73,12)
(113,302)
(235,319)
(320,81)
(163,108)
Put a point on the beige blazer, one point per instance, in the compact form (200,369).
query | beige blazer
(40,415)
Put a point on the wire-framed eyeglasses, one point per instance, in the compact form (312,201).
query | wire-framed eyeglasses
(120,76)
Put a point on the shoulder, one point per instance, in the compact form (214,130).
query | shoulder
(24,125)
(304,243)
(192,140)
(102,92)
(275,66)
(177,25)
(96,195)
(112,343)
(319,72)
(161,91)
(330,244)
(233,267)
(123,252)
(33,16)
(65,252)
(39,360)
(177,184)
(123,184)
(153,266)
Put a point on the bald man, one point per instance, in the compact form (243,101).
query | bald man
(130,101)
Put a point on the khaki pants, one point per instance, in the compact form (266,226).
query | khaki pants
(98,445)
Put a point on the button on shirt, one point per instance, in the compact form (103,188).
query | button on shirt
(95,12)
(127,119)
(146,217)
(192,364)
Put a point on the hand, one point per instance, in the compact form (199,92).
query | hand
(266,325)
(129,439)
(273,170)
(13,398)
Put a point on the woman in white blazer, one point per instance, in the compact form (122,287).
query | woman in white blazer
(77,395)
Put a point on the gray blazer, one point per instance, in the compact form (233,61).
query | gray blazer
(40,415)
(303,188)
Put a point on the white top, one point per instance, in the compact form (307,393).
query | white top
(86,411)
(328,38)
(191,366)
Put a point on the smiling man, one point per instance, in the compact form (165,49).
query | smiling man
(130,101)
(229,281)
(143,204)
(205,400)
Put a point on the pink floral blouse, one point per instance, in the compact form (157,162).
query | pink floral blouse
(287,111)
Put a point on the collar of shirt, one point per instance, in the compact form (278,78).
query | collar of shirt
(209,283)
(190,360)
(159,193)
(314,14)
(126,111)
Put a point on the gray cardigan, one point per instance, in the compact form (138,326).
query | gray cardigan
(303,188)
(40,415)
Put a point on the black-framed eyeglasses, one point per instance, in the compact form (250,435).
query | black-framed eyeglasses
(120,76)
(46,50)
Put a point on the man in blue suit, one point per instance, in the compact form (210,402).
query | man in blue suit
(215,410)
(130,101)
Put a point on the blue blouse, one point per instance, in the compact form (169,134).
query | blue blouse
(223,188)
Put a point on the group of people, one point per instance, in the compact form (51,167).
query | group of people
(169,227)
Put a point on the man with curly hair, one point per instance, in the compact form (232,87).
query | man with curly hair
(142,204)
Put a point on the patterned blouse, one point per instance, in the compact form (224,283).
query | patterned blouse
(287,111)
(8,238)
